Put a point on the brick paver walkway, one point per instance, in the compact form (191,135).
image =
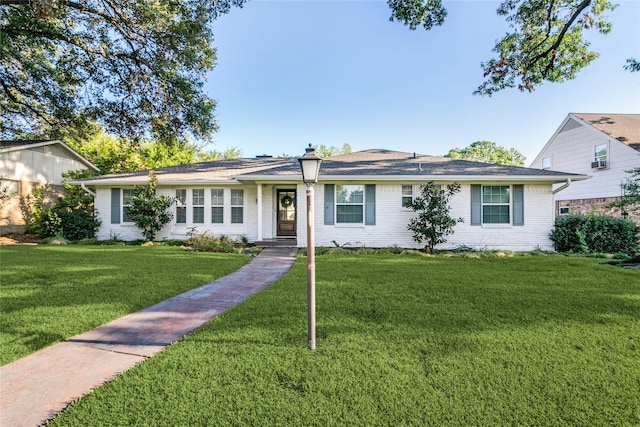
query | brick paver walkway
(37,387)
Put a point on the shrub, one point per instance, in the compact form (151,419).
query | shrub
(595,233)
(206,242)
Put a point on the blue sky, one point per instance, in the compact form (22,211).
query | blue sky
(291,73)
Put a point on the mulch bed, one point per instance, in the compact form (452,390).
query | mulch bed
(19,239)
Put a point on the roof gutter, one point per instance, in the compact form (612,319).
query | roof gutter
(563,186)
(86,190)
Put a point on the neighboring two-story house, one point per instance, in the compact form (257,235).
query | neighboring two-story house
(603,146)
(26,165)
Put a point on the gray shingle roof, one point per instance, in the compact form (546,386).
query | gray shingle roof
(623,127)
(6,144)
(368,164)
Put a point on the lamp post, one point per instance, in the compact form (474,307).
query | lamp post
(310,165)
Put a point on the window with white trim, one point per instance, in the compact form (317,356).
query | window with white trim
(237,206)
(546,163)
(127,195)
(496,204)
(217,206)
(407,195)
(349,204)
(600,153)
(564,209)
(181,206)
(197,204)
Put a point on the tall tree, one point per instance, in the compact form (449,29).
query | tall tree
(325,151)
(488,152)
(136,67)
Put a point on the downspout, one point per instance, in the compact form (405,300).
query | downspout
(84,187)
(563,186)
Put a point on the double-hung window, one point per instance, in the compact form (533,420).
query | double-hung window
(497,204)
(407,195)
(237,206)
(600,153)
(350,204)
(217,206)
(181,206)
(127,195)
(197,203)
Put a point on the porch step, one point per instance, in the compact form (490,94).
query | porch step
(277,243)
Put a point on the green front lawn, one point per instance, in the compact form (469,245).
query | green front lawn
(50,293)
(402,340)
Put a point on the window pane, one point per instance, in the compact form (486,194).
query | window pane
(217,215)
(546,163)
(127,195)
(349,194)
(181,215)
(407,190)
(198,215)
(237,197)
(495,194)
(496,214)
(236,215)
(198,197)
(217,197)
(349,214)
(600,152)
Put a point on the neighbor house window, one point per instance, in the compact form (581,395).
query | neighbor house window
(181,206)
(496,204)
(350,204)
(217,203)
(10,187)
(237,209)
(564,209)
(600,153)
(546,163)
(197,203)
(127,195)
(407,195)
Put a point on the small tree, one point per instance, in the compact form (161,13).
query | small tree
(433,222)
(630,192)
(148,210)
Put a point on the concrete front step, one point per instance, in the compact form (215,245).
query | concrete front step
(277,243)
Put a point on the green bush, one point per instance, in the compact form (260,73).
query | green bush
(595,233)
(206,242)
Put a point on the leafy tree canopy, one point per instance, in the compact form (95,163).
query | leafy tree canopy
(137,67)
(325,151)
(119,155)
(488,152)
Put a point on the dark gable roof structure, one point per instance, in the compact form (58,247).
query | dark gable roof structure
(368,165)
(623,127)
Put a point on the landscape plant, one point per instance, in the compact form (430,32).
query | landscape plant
(595,233)
(402,340)
(148,210)
(433,221)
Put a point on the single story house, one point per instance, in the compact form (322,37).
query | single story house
(604,146)
(360,200)
(29,164)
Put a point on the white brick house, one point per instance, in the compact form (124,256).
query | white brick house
(602,146)
(358,200)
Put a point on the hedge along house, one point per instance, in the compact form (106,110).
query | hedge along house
(360,200)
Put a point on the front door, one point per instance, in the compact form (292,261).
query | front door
(286,212)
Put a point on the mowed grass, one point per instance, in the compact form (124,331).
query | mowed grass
(50,293)
(402,340)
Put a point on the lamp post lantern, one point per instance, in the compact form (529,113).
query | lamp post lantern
(310,165)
